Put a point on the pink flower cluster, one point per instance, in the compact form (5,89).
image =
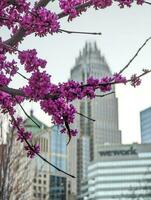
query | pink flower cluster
(11,13)
(40,21)
(32,150)
(25,137)
(38,86)
(31,61)
(70,6)
(55,100)
(135,80)
(7,67)
(100,4)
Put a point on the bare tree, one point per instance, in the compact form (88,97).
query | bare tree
(15,169)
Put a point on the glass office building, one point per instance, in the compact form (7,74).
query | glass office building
(91,63)
(145,118)
(58,157)
(120,172)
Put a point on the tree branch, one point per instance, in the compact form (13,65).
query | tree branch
(78,8)
(149,3)
(18,37)
(126,66)
(26,113)
(86,117)
(39,155)
(79,32)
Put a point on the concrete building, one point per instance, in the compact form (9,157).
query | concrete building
(145,120)
(104,130)
(40,169)
(121,172)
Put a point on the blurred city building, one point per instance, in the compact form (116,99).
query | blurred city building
(145,119)
(48,183)
(91,135)
(119,172)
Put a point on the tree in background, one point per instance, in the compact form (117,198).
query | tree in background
(15,168)
(21,18)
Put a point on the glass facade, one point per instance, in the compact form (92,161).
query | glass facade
(124,177)
(58,149)
(57,188)
(145,118)
(58,157)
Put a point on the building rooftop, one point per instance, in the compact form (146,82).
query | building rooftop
(31,126)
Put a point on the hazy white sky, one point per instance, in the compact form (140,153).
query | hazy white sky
(123,31)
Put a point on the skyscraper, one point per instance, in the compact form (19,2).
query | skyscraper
(145,118)
(104,110)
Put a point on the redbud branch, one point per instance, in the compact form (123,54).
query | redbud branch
(103,95)
(22,76)
(42,3)
(26,113)
(21,32)
(39,155)
(18,92)
(9,47)
(126,66)
(79,32)
(12,2)
(149,3)
(86,117)
(68,129)
(78,8)
(142,74)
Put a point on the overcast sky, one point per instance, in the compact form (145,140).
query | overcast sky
(123,32)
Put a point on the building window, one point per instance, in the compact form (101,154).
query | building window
(44,182)
(39,181)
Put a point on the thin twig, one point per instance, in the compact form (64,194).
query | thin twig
(26,113)
(68,129)
(134,55)
(86,116)
(80,32)
(10,47)
(103,95)
(39,155)
(78,8)
(22,76)
(149,3)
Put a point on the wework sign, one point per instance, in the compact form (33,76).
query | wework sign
(130,151)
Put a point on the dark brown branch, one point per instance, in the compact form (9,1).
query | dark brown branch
(86,117)
(79,32)
(78,8)
(12,91)
(103,95)
(126,66)
(26,113)
(22,76)
(39,155)
(18,37)
(149,3)
(68,129)
(18,92)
